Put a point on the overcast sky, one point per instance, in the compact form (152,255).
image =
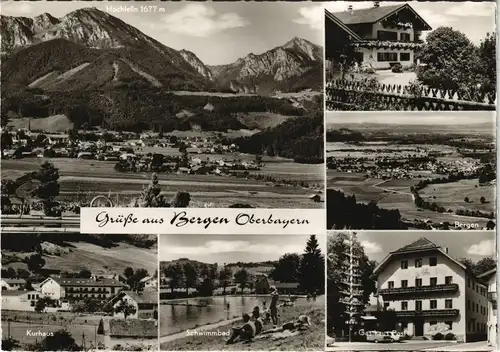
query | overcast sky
(218,33)
(474,19)
(231,249)
(412,118)
(461,244)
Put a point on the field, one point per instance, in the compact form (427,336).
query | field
(83,328)
(88,177)
(452,195)
(97,259)
(56,123)
(312,339)
(395,194)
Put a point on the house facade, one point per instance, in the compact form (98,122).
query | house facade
(430,292)
(381,36)
(145,304)
(79,288)
(491,278)
(19,300)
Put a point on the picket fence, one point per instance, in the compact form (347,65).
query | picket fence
(342,95)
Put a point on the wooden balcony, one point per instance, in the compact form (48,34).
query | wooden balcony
(419,290)
(428,313)
(492,296)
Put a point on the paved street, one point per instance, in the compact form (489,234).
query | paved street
(441,346)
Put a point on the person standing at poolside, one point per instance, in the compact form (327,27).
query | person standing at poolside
(273,307)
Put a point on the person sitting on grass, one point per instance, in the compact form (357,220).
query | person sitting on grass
(301,323)
(244,333)
(258,321)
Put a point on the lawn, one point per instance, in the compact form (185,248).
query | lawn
(82,328)
(452,195)
(309,340)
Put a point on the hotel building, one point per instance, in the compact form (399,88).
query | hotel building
(431,292)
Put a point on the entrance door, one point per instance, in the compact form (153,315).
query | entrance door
(419,327)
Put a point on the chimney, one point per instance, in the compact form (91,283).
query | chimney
(349,9)
(376,4)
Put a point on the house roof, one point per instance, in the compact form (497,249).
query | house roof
(338,22)
(376,14)
(143,297)
(420,245)
(15,281)
(486,275)
(147,278)
(87,282)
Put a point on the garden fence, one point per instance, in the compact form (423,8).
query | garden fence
(353,95)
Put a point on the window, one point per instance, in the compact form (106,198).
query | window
(434,281)
(477,307)
(418,263)
(385,57)
(433,261)
(473,306)
(450,324)
(448,280)
(468,282)
(448,304)
(404,263)
(404,56)
(418,282)
(404,37)
(404,283)
(434,304)
(390,284)
(473,286)
(387,35)
(478,328)
(418,305)
(386,305)
(404,305)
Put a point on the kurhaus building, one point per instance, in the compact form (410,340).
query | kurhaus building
(381,36)
(432,293)
(79,288)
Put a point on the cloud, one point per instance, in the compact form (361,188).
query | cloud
(218,247)
(371,247)
(200,20)
(17,8)
(483,248)
(466,9)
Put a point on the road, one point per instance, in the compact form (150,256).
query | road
(424,345)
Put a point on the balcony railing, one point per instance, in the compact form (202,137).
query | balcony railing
(492,296)
(428,313)
(419,289)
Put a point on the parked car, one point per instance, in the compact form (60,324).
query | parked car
(378,336)
(395,335)
(330,340)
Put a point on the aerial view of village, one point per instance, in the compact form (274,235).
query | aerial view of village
(387,56)
(242,293)
(423,170)
(76,292)
(99,101)
(412,291)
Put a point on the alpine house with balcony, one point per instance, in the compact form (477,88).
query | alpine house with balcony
(431,292)
(491,278)
(381,36)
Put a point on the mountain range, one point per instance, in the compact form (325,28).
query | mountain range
(89,49)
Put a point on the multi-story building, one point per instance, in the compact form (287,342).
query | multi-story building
(491,278)
(78,288)
(13,284)
(381,35)
(432,293)
(19,300)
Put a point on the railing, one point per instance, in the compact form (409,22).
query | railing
(492,296)
(428,313)
(340,95)
(419,289)
(29,223)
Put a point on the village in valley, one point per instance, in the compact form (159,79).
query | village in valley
(57,293)
(210,287)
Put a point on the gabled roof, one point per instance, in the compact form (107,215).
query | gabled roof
(143,297)
(375,14)
(486,275)
(85,282)
(14,292)
(420,245)
(15,281)
(338,22)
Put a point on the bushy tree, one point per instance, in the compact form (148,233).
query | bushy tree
(125,308)
(151,197)
(287,268)
(48,188)
(242,277)
(224,278)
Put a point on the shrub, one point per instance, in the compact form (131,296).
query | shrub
(450,336)
(438,336)
(397,68)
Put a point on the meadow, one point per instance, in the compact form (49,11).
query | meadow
(90,177)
